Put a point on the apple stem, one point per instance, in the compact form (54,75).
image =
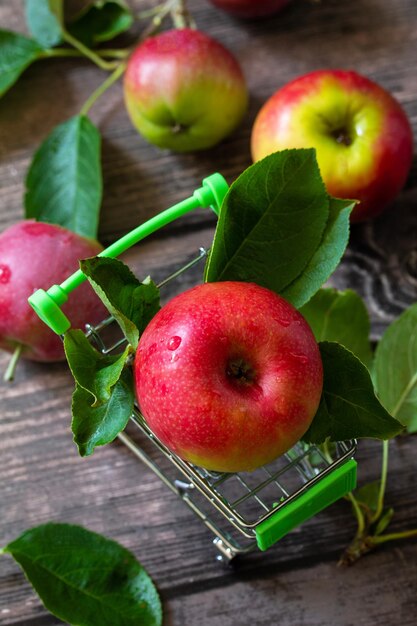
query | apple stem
(11,368)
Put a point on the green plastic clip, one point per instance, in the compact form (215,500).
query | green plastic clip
(330,488)
(47,304)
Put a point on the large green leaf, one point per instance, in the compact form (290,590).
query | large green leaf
(94,372)
(327,256)
(64,182)
(340,316)
(349,408)
(100,21)
(16,54)
(132,303)
(396,368)
(43,23)
(86,579)
(98,425)
(271,223)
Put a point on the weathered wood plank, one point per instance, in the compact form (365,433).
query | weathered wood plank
(41,476)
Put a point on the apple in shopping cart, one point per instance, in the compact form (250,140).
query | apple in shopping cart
(36,255)
(228,375)
(184,90)
(250,8)
(362,136)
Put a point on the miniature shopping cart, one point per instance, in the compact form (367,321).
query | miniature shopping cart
(245,510)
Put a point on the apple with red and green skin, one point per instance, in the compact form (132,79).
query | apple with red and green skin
(251,8)
(184,91)
(228,375)
(362,135)
(36,255)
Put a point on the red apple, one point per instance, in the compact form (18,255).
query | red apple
(184,91)
(228,375)
(362,136)
(250,8)
(35,255)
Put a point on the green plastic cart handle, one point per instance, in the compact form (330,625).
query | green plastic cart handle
(47,304)
(335,485)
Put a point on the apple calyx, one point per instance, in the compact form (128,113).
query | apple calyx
(342,136)
(178,128)
(240,372)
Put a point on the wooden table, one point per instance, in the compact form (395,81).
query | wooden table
(296,583)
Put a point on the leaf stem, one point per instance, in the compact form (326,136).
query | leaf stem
(383,484)
(358,513)
(181,16)
(155,11)
(90,54)
(71,52)
(102,88)
(11,368)
(393,536)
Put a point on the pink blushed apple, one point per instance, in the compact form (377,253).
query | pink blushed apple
(184,91)
(35,255)
(362,136)
(251,8)
(228,375)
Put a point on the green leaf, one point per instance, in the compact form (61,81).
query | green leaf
(56,7)
(16,54)
(94,372)
(396,368)
(101,21)
(64,183)
(86,579)
(384,521)
(271,223)
(132,303)
(368,495)
(340,316)
(98,425)
(327,256)
(103,398)
(349,408)
(43,23)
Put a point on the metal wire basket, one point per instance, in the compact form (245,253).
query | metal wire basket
(245,510)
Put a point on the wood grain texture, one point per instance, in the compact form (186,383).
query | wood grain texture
(296,583)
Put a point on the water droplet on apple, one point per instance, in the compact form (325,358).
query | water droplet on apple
(284,321)
(174,343)
(5,274)
(300,357)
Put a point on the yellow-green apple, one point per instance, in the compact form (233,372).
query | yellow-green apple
(35,255)
(184,91)
(228,375)
(362,135)
(250,8)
